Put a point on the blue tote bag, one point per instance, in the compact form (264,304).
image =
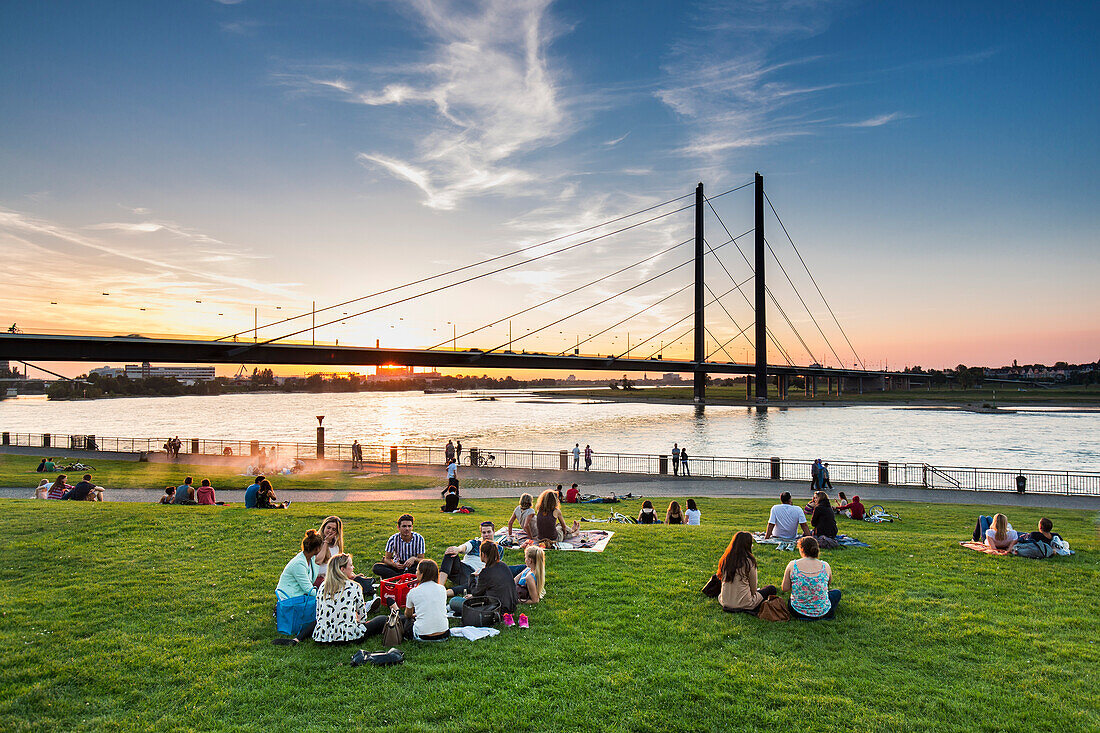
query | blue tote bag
(294,614)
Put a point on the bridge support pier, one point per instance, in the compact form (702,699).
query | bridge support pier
(748,387)
(700,381)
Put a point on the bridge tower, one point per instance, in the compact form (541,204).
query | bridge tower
(761,298)
(700,383)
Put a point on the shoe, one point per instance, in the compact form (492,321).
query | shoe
(508,620)
(375,606)
(523,624)
(358,658)
(382,659)
(285,642)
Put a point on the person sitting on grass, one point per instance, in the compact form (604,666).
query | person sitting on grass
(341,606)
(169,495)
(807,580)
(1043,534)
(841,499)
(1000,535)
(190,494)
(332,532)
(494,580)
(521,514)
(853,509)
(426,606)
(531,581)
(84,490)
(266,499)
(674,515)
(549,524)
(41,466)
(252,493)
(43,489)
(205,493)
(823,519)
(573,495)
(737,571)
(647,514)
(181,490)
(694,516)
(50,466)
(404,550)
(462,562)
(785,519)
(299,579)
(450,498)
(57,491)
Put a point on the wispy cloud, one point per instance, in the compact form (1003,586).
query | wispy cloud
(488,87)
(616,141)
(878,121)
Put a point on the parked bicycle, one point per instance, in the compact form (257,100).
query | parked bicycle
(615,518)
(481,460)
(878,515)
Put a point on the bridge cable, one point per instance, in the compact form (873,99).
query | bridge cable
(823,300)
(721,347)
(828,343)
(488,260)
(594,305)
(746,328)
(562,295)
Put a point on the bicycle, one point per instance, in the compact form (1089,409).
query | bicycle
(615,518)
(878,514)
(482,460)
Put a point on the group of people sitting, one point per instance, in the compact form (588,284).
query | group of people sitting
(787,521)
(806,579)
(673,515)
(542,521)
(84,490)
(474,568)
(259,495)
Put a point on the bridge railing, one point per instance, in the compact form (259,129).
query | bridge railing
(841,472)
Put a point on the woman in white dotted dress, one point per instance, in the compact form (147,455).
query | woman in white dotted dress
(341,609)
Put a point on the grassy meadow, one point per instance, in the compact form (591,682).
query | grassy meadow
(139,616)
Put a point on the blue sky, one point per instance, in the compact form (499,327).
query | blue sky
(934,162)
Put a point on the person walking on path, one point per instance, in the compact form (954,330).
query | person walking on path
(684,461)
(577,457)
(587,457)
(824,477)
(675,459)
(449,452)
(815,475)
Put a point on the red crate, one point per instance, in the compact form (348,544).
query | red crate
(397,588)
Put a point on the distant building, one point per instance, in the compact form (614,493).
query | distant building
(571,378)
(185,374)
(400,373)
(106,371)
(671,377)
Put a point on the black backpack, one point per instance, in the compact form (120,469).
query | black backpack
(481,611)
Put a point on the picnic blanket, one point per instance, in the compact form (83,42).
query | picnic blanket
(590,540)
(982,547)
(790,545)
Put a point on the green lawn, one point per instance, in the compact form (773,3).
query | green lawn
(1004,395)
(131,616)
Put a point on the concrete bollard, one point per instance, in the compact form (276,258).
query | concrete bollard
(195,446)
(662,464)
(884,472)
(776,469)
(563,460)
(46,440)
(254,448)
(5,438)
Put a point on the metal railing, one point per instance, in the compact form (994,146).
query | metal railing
(922,475)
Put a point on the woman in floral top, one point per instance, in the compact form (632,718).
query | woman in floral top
(807,580)
(341,608)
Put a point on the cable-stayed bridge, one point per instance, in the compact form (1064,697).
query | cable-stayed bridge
(710,343)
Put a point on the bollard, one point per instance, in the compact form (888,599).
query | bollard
(1021,484)
(195,446)
(393,455)
(662,464)
(563,459)
(45,440)
(884,472)
(776,465)
(5,438)
(254,448)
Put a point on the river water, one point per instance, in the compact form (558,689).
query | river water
(1031,438)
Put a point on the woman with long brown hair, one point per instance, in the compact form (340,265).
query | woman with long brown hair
(548,520)
(674,515)
(737,571)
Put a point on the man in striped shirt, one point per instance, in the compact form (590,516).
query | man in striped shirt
(404,551)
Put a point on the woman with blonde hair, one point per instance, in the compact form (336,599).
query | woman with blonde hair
(341,609)
(1000,535)
(43,488)
(549,524)
(674,515)
(531,582)
(521,514)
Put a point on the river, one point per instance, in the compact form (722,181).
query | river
(1032,438)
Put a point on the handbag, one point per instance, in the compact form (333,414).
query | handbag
(773,609)
(393,633)
(481,611)
(294,614)
(713,587)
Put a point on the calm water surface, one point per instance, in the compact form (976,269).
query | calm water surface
(1032,438)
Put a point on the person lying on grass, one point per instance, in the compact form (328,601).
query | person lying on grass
(1000,535)
(737,571)
(521,515)
(549,524)
(169,495)
(823,519)
(403,551)
(494,580)
(785,519)
(807,580)
(531,581)
(647,514)
(1043,534)
(462,562)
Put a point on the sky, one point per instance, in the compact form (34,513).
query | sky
(193,168)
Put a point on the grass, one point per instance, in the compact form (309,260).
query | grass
(134,616)
(1005,395)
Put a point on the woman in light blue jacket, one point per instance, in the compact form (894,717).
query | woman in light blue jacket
(300,579)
